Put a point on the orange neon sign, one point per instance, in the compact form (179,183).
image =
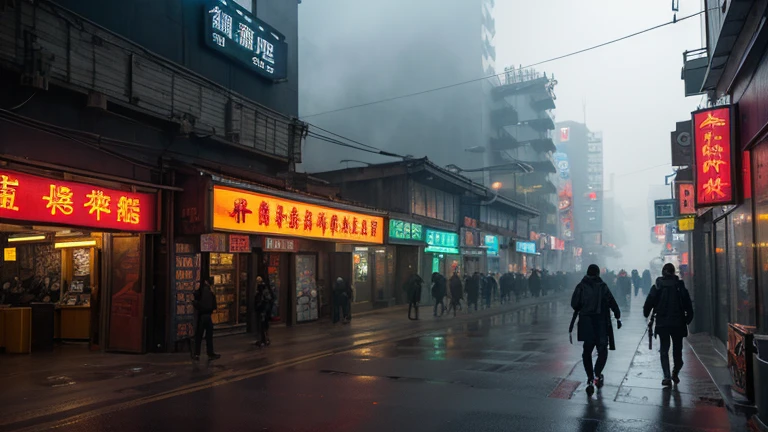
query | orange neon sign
(250,212)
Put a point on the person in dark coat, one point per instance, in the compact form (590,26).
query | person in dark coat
(341,300)
(646,280)
(413,291)
(506,282)
(636,281)
(457,292)
(593,302)
(473,290)
(205,304)
(264,302)
(438,291)
(623,288)
(671,303)
(489,287)
(534,283)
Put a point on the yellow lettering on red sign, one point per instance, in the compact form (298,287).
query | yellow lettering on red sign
(8,193)
(129,210)
(232,211)
(98,203)
(59,198)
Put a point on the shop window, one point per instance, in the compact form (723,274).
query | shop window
(306,288)
(743,302)
(224,275)
(760,194)
(360,260)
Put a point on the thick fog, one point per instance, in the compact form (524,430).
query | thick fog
(354,52)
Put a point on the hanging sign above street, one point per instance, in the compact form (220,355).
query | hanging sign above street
(685,192)
(713,157)
(665,211)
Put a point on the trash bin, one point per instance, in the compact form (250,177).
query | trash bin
(760,373)
(42,326)
(740,353)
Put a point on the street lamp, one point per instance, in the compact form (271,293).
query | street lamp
(495,186)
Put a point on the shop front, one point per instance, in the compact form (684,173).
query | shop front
(75,257)
(299,243)
(527,250)
(473,254)
(408,240)
(493,253)
(441,254)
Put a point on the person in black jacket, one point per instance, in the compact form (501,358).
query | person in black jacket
(341,300)
(438,291)
(413,291)
(205,304)
(473,290)
(671,303)
(457,292)
(264,303)
(534,283)
(593,302)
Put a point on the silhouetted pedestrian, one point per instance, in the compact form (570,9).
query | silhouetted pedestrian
(205,305)
(438,291)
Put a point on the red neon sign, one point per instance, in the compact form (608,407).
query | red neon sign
(29,198)
(746,173)
(685,192)
(713,157)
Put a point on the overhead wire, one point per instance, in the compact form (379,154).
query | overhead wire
(445,87)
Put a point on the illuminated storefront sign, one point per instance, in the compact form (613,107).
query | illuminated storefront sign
(250,212)
(492,243)
(565,134)
(685,192)
(280,244)
(526,247)
(442,242)
(713,157)
(686,224)
(239,243)
(234,32)
(9,254)
(29,198)
(402,230)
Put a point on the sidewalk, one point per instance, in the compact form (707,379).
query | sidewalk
(73,380)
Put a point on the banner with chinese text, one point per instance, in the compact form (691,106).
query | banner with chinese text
(713,157)
(30,198)
(250,212)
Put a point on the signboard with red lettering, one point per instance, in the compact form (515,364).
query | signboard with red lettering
(685,192)
(29,198)
(713,157)
(239,243)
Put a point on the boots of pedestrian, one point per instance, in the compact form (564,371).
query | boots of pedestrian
(590,387)
(676,377)
(599,381)
(666,382)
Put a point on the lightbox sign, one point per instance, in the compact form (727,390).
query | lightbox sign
(402,230)
(685,192)
(492,243)
(243,211)
(442,242)
(526,247)
(29,198)
(713,158)
(665,211)
(233,31)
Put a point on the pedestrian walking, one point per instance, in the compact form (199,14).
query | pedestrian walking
(457,292)
(488,289)
(473,291)
(646,280)
(264,302)
(341,294)
(205,304)
(593,301)
(438,291)
(623,289)
(506,284)
(636,281)
(413,291)
(670,302)
(534,283)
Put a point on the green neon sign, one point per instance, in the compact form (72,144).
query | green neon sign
(442,242)
(402,230)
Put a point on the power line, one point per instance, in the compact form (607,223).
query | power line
(445,87)
(371,149)
(645,169)
(343,137)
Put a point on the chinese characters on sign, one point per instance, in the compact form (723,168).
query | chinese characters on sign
(685,197)
(442,242)
(239,243)
(401,230)
(712,157)
(274,215)
(526,247)
(235,32)
(280,245)
(37,199)
(492,243)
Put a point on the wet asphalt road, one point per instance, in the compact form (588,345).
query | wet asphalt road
(509,371)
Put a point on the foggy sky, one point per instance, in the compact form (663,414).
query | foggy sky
(350,53)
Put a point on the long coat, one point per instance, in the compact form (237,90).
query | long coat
(594,301)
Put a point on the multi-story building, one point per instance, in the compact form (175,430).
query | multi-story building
(584,150)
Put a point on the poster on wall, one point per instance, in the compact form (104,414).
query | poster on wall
(187,278)
(740,359)
(306,288)
(273,273)
(126,321)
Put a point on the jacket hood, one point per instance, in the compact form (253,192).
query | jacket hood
(592,280)
(667,277)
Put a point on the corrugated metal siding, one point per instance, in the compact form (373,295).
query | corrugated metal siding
(89,58)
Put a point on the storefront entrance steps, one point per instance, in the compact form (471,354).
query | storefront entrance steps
(72,380)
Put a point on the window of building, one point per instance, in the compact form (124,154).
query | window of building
(722,297)
(433,203)
(742,265)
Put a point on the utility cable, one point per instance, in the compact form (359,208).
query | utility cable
(445,87)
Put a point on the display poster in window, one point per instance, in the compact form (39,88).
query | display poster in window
(187,280)
(273,273)
(740,358)
(223,273)
(306,288)
(126,321)
(213,243)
